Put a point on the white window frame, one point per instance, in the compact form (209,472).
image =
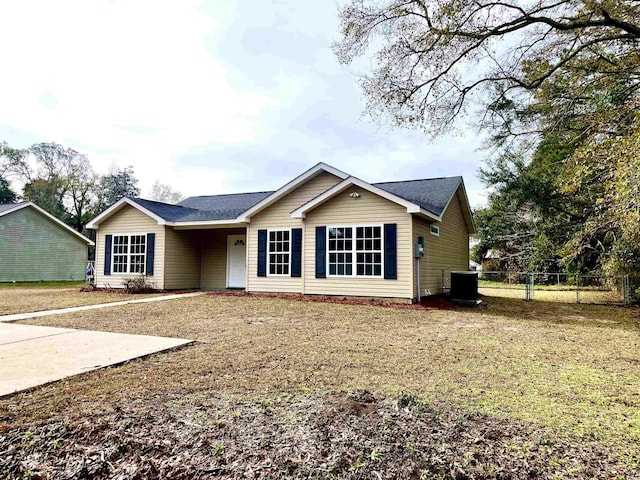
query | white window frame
(434,230)
(269,252)
(128,254)
(354,252)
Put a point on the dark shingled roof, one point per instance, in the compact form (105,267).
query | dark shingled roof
(206,208)
(9,206)
(432,194)
(225,206)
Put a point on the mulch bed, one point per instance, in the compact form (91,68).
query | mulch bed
(356,436)
(436,302)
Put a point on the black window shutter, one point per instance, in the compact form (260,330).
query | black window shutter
(107,254)
(262,253)
(390,251)
(151,251)
(296,252)
(321,252)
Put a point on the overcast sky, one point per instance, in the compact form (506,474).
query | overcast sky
(210,97)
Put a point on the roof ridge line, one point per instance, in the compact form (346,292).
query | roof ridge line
(418,180)
(229,194)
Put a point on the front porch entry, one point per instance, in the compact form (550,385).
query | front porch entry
(236,261)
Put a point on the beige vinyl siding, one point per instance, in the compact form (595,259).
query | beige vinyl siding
(182,258)
(214,257)
(368,209)
(126,221)
(278,216)
(449,251)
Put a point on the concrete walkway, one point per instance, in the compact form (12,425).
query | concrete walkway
(44,313)
(32,356)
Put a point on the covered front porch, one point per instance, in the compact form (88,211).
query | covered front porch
(207,259)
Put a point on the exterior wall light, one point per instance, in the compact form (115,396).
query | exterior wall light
(354,195)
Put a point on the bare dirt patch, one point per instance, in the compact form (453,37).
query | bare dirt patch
(358,436)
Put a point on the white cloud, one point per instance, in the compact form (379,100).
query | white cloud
(109,64)
(210,96)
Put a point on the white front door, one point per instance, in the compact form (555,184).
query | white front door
(236,261)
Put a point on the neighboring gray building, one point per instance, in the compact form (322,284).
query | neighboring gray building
(36,246)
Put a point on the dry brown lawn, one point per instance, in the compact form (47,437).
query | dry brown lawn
(569,366)
(22,299)
(568,369)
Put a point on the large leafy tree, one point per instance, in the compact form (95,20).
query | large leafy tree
(57,178)
(433,59)
(555,83)
(62,181)
(162,192)
(6,194)
(117,184)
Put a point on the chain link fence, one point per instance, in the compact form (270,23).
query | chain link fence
(557,287)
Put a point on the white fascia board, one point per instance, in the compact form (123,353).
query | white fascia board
(281,192)
(93,224)
(16,207)
(411,207)
(53,219)
(207,223)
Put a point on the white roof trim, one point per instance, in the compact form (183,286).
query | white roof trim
(281,192)
(93,224)
(204,223)
(113,209)
(59,222)
(411,207)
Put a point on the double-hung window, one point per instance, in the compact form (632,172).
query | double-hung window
(355,250)
(129,253)
(279,252)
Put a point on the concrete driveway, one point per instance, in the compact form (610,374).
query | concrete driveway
(32,356)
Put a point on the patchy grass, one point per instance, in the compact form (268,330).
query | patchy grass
(25,299)
(565,375)
(548,294)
